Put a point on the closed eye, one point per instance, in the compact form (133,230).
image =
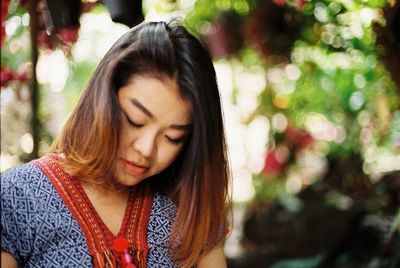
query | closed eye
(132,123)
(176,141)
(136,125)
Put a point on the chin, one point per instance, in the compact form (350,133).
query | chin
(129,179)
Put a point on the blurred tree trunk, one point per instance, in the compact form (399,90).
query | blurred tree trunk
(388,41)
(34,90)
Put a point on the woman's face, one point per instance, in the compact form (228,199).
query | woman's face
(155,123)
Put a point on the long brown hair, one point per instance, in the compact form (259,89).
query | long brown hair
(198,179)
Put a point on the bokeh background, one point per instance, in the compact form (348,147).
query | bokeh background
(311,99)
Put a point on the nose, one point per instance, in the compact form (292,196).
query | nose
(145,145)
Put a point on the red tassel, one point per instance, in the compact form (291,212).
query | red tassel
(99,259)
(121,244)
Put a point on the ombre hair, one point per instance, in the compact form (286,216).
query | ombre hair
(197,181)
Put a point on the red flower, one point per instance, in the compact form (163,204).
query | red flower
(45,40)
(4,13)
(275,160)
(280,3)
(300,4)
(7,75)
(299,138)
(87,6)
(271,164)
(68,35)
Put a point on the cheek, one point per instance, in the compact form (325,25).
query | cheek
(125,138)
(167,156)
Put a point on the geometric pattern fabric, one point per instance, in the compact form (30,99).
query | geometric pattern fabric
(39,231)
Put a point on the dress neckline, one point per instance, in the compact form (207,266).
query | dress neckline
(100,240)
(127,213)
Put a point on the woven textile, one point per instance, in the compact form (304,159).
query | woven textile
(38,229)
(99,239)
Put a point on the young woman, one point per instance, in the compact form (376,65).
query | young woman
(138,176)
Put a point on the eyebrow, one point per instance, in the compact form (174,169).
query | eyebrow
(142,108)
(149,114)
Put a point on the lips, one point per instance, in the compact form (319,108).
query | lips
(133,168)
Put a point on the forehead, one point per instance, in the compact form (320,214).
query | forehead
(159,94)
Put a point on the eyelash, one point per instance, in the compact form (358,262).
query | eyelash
(133,124)
(173,141)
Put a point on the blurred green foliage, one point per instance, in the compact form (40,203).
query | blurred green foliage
(330,74)
(332,71)
(19,41)
(332,104)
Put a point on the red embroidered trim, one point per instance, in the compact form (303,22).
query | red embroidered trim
(99,238)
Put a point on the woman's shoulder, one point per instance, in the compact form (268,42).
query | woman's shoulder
(37,227)
(22,175)
(25,183)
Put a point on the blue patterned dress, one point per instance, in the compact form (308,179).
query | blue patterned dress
(39,230)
